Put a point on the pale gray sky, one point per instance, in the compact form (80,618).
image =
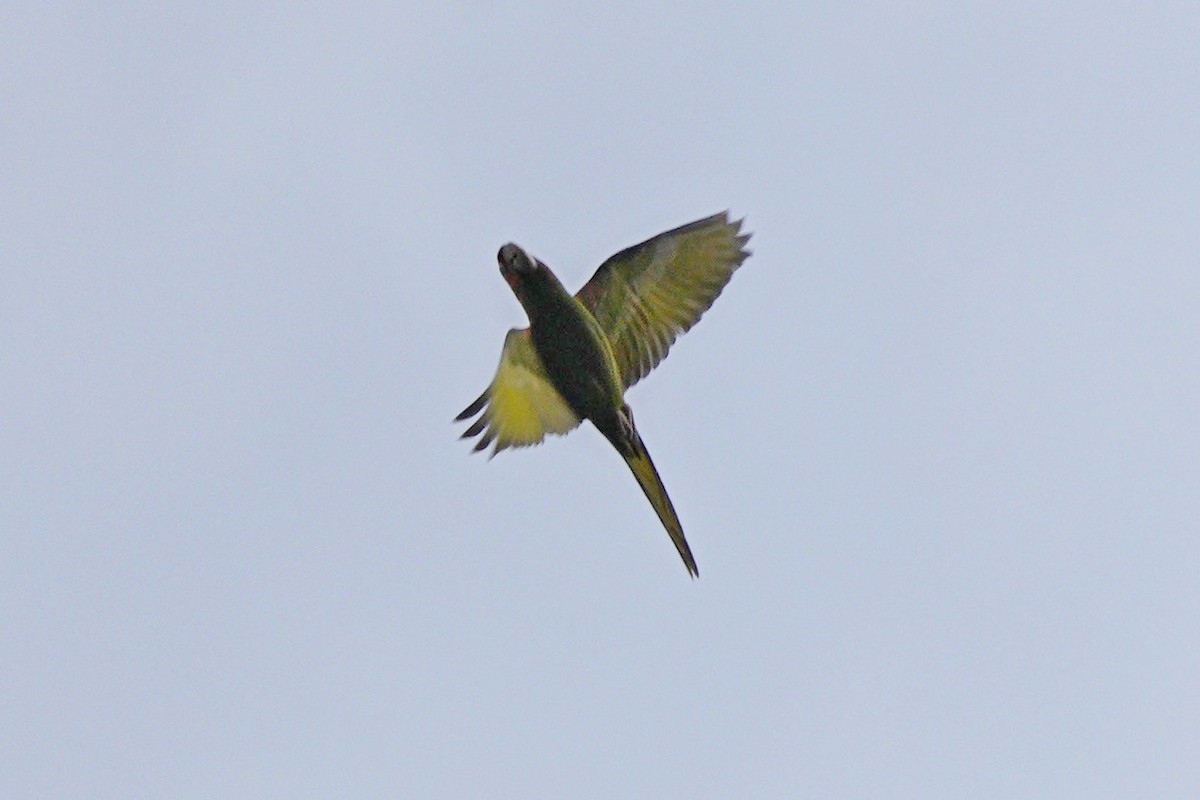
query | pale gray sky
(935,448)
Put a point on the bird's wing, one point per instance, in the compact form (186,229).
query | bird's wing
(520,406)
(647,295)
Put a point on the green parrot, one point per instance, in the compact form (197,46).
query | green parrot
(580,353)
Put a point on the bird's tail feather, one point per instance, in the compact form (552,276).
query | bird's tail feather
(643,469)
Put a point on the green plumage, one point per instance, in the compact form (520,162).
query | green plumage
(581,352)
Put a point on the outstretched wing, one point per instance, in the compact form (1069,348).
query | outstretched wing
(645,296)
(520,406)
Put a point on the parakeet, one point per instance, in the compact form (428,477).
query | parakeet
(581,352)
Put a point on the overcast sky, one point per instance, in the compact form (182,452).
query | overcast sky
(935,447)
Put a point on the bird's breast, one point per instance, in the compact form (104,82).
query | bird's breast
(577,362)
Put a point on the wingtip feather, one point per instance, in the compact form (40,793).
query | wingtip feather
(472,409)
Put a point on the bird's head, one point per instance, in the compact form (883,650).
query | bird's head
(515,264)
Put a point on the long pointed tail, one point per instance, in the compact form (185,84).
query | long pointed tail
(647,477)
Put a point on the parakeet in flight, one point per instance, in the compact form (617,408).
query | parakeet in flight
(581,352)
